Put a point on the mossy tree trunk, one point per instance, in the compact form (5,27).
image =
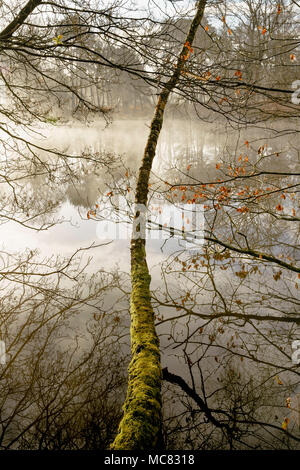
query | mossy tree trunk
(140,427)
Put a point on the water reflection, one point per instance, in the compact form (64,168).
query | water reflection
(183,144)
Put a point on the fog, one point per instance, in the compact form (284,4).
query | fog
(182,143)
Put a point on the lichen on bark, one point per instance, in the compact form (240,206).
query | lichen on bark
(140,427)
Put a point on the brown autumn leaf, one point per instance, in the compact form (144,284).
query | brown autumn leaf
(285,423)
(277,275)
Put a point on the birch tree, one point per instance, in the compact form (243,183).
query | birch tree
(140,427)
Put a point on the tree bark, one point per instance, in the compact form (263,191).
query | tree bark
(20,18)
(140,427)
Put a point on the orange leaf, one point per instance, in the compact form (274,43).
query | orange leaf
(264,31)
(247,143)
(229,31)
(223,99)
(188,45)
(285,423)
(218,77)
(292,57)
(279,207)
(223,19)
(217,166)
(278,9)
(206,28)
(188,167)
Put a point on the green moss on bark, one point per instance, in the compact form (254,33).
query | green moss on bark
(140,427)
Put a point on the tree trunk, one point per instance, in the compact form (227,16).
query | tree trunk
(140,427)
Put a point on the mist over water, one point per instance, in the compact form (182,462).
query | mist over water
(188,151)
(183,142)
(123,139)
